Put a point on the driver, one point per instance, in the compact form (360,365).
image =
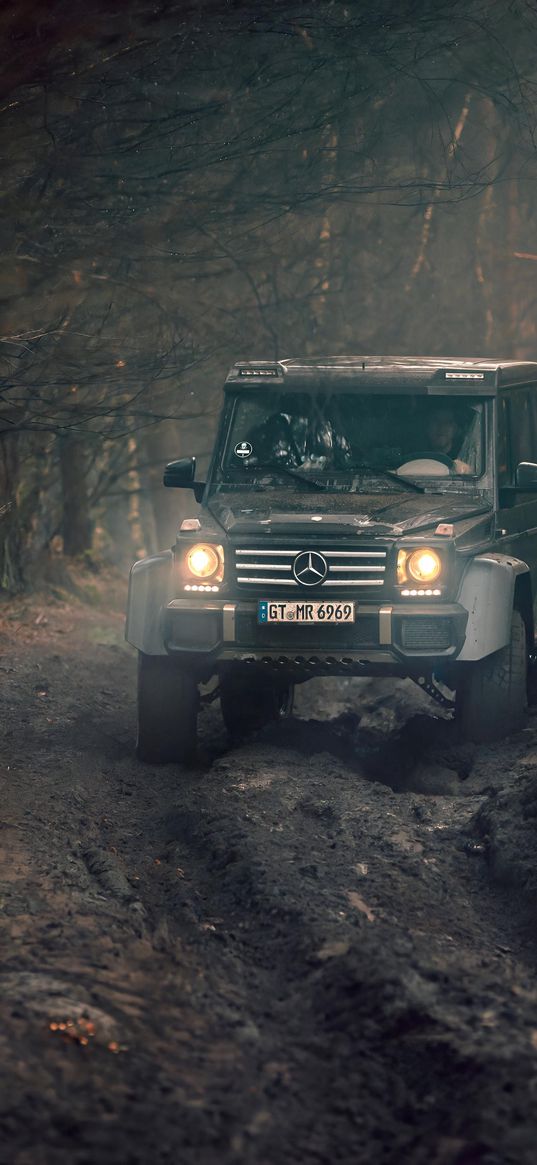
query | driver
(444,436)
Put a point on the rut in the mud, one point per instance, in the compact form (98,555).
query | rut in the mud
(315,947)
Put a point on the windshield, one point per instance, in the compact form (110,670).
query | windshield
(326,437)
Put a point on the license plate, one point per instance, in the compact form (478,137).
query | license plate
(276,612)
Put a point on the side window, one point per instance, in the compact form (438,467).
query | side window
(523,427)
(517,431)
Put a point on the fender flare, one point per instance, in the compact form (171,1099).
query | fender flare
(487,592)
(150,589)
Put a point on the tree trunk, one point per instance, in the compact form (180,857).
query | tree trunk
(76,524)
(136,522)
(11,576)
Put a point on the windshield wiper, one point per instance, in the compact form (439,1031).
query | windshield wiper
(312,482)
(405,482)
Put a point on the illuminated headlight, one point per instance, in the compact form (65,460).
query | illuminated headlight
(205,561)
(423,565)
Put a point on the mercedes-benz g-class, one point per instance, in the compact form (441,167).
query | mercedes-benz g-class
(361,517)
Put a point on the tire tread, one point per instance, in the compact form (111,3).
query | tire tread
(491,696)
(167,711)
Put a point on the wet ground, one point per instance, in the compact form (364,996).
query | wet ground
(316,947)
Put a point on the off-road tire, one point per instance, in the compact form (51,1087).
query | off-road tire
(491,694)
(249,702)
(168,701)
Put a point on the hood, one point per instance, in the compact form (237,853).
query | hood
(284,512)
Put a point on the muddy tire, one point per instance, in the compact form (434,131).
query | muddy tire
(248,703)
(491,695)
(167,711)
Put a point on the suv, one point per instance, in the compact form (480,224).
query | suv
(361,517)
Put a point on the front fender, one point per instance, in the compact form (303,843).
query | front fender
(150,589)
(487,592)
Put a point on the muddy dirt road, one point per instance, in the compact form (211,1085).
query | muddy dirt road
(317,947)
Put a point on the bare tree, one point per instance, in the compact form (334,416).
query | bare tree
(193,183)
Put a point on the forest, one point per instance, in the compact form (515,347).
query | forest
(238,930)
(189,184)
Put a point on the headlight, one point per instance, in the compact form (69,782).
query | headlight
(205,561)
(423,565)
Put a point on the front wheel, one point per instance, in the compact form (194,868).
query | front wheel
(491,694)
(168,703)
(249,702)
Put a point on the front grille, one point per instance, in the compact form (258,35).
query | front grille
(259,569)
(364,632)
(426,634)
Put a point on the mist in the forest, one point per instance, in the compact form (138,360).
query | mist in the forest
(186,185)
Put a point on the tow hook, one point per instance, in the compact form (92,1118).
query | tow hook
(434,691)
(211,695)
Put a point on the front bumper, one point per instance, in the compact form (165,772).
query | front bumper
(403,635)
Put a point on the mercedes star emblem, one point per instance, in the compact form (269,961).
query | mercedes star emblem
(310,568)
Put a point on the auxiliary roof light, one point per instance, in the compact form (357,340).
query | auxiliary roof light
(258,371)
(465,375)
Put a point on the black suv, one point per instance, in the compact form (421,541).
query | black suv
(361,516)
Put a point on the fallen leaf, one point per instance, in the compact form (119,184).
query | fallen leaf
(360,905)
(332,950)
(406,843)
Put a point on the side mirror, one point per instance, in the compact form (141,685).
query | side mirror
(180,475)
(526,475)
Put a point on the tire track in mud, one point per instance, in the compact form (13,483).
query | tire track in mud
(301,963)
(366,1004)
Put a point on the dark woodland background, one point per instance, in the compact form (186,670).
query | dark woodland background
(188,184)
